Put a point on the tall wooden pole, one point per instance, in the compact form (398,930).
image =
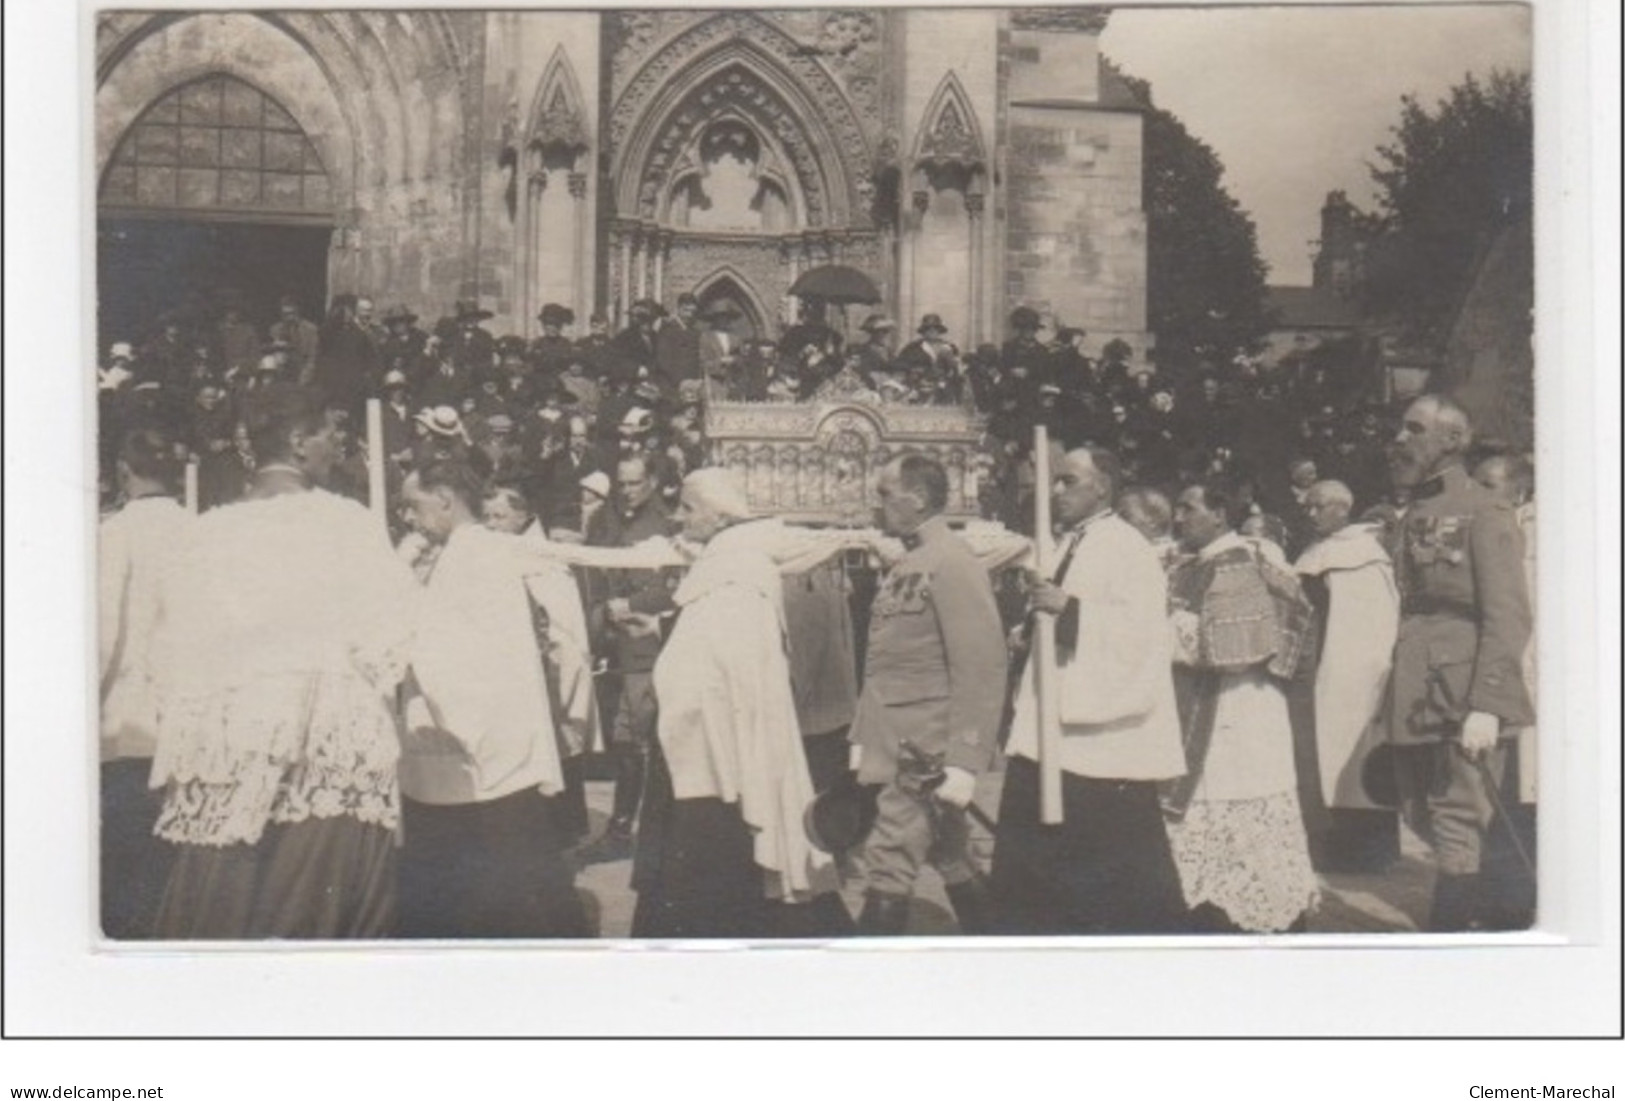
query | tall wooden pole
(1043,644)
(191,486)
(375,462)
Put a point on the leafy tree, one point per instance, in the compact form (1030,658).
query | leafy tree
(1205,278)
(1450,182)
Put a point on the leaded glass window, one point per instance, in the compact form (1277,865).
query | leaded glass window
(217,144)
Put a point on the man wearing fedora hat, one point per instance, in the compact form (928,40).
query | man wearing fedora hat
(401,344)
(552,351)
(1024,349)
(471,345)
(594,349)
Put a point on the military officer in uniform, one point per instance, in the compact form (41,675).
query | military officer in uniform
(932,698)
(1457,696)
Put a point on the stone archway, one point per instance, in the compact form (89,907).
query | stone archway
(381,96)
(215,192)
(728,287)
(731,148)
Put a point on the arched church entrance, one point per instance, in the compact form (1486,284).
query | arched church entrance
(733,152)
(214,194)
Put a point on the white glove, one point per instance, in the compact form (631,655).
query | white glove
(1479,732)
(957,788)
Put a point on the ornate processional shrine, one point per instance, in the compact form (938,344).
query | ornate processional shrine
(817,462)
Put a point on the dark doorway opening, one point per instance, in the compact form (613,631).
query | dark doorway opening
(146,267)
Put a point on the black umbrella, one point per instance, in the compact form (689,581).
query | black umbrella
(836,283)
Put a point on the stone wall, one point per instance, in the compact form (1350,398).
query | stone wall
(1075,225)
(947,267)
(382,96)
(538,239)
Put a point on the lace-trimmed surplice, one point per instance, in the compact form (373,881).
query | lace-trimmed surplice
(279,671)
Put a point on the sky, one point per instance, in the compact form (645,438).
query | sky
(1295,101)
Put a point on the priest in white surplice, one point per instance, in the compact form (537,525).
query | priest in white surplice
(1107,868)
(483,852)
(1361,620)
(721,847)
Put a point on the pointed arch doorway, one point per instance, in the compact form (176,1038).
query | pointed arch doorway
(214,193)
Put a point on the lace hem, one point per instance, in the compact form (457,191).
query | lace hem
(328,719)
(199,813)
(312,745)
(1249,857)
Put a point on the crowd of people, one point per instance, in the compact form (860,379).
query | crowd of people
(320,723)
(546,412)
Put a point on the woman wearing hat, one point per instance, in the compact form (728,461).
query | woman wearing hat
(551,352)
(933,356)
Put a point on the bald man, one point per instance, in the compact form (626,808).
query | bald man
(1457,695)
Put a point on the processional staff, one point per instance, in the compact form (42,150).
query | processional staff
(191,485)
(375,461)
(1043,644)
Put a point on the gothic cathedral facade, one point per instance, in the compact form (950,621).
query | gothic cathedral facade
(967,160)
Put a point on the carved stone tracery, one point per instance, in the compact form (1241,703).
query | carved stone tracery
(793,94)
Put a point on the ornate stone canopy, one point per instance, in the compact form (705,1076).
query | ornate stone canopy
(817,462)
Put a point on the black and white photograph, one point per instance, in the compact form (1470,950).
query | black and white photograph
(572,478)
